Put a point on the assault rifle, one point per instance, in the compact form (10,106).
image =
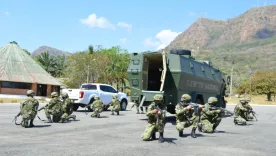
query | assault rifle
(157,115)
(223,110)
(197,113)
(253,113)
(15,118)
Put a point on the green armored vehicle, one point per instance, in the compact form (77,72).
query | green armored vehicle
(173,74)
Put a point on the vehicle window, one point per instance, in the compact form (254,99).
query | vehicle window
(89,87)
(103,88)
(111,90)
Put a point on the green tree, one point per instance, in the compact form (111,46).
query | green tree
(60,66)
(47,62)
(264,83)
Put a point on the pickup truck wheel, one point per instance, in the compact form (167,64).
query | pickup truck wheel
(75,107)
(123,105)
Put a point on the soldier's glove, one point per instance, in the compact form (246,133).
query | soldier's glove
(189,107)
(154,111)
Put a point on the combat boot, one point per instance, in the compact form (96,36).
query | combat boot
(161,137)
(138,112)
(193,132)
(24,123)
(98,116)
(180,133)
(117,113)
(31,123)
(214,128)
(153,136)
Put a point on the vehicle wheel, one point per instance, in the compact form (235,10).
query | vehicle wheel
(75,107)
(88,106)
(123,105)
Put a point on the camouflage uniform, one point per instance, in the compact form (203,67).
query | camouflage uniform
(54,108)
(67,108)
(28,109)
(240,113)
(153,124)
(116,105)
(210,119)
(184,113)
(248,115)
(97,107)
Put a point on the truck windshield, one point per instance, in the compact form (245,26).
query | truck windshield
(89,87)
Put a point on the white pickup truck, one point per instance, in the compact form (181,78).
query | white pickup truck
(85,95)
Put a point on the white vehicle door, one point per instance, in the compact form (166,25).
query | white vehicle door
(111,92)
(104,94)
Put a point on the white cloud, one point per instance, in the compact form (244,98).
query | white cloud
(162,39)
(7,13)
(125,25)
(101,22)
(123,40)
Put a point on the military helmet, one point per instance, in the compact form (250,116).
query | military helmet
(115,96)
(158,97)
(30,93)
(243,100)
(96,97)
(186,97)
(212,100)
(64,95)
(54,94)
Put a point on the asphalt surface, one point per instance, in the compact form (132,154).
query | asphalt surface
(121,136)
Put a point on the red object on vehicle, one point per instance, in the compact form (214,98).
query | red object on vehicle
(81,94)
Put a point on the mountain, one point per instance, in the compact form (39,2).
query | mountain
(248,40)
(51,51)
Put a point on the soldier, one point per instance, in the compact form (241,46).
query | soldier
(249,116)
(97,107)
(156,119)
(116,105)
(137,107)
(54,108)
(28,109)
(67,109)
(210,118)
(240,113)
(185,116)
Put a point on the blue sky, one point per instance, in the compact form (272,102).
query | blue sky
(72,25)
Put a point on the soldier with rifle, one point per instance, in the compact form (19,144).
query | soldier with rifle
(241,111)
(67,108)
(211,116)
(250,115)
(187,114)
(156,113)
(28,110)
(54,108)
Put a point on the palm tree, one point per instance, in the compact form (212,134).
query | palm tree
(60,66)
(47,62)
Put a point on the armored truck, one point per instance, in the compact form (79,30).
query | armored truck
(172,74)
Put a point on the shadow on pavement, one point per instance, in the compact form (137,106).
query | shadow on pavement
(170,140)
(41,126)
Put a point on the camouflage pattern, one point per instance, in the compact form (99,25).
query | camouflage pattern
(248,115)
(136,104)
(28,109)
(97,107)
(54,108)
(240,113)
(153,126)
(115,105)
(182,120)
(210,119)
(67,109)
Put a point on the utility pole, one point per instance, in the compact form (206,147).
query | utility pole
(88,73)
(250,82)
(231,84)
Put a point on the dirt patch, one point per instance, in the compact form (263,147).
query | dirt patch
(259,99)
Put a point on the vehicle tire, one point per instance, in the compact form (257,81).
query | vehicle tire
(75,107)
(123,105)
(180,52)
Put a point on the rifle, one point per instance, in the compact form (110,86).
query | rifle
(253,113)
(197,113)
(41,108)
(222,110)
(162,113)
(15,118)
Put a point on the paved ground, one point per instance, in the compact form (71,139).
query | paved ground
(120,136)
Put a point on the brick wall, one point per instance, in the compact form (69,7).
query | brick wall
(13,91)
